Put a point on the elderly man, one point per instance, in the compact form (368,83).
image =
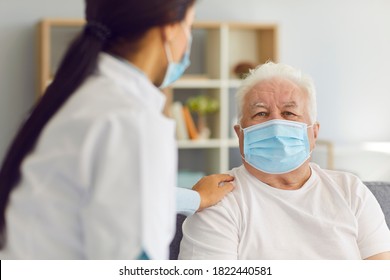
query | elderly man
(283,206)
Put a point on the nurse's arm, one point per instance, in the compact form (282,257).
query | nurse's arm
(381,256)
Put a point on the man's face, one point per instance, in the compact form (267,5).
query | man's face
(276,99)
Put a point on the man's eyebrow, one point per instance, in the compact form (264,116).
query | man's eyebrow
(290,104)
(259,105)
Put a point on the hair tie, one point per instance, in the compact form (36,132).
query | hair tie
(99,30)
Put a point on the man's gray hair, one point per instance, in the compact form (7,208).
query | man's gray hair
(271,70)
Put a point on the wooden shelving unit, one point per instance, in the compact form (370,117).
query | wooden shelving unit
(217,47)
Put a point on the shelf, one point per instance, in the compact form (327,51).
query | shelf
(251,43)
(235,83)
(207,143)
(187,82)
(199,144)
(233,143)
(206,58)
(217,47)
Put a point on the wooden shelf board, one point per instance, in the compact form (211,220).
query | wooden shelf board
(200,144)
(197,83)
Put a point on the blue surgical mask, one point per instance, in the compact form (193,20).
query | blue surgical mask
(176,69)
(276,146)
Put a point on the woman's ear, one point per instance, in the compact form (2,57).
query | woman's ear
(168,32)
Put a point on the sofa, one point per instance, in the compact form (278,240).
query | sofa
(381,191)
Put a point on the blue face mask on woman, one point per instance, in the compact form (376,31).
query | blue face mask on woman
(176,69)
(276,146)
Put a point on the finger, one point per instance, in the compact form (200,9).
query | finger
(223,177)
(227,187)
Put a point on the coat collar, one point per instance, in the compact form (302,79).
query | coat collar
(132,79)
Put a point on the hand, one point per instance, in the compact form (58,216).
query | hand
(213,188)
(380,256)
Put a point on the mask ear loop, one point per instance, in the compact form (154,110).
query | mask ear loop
(242,156)
(188,35)
(168,52)
(311,126)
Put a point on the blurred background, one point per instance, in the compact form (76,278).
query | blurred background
(344,45)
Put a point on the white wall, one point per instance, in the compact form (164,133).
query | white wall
(343,44)
(18,19)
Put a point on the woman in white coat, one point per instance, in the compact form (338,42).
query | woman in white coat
(91,173)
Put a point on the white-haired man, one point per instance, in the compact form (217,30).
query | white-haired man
(283,206)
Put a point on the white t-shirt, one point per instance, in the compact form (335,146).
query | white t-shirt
(333,216)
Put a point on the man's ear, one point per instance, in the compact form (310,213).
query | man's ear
(316,129)
(237,129)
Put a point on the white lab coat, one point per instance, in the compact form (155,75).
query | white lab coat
(100,183)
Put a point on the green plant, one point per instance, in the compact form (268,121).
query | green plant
(203,104)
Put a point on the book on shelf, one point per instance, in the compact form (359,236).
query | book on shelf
(191,127)
(178,116)
(185,125)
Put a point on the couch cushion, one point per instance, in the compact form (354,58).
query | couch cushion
(175,244)
(381,191)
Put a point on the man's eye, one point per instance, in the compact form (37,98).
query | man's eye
(288,114)
(261,114)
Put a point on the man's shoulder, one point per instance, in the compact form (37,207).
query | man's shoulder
(231,203)
(332,172)
(241,178)
(236,171)
(338,177)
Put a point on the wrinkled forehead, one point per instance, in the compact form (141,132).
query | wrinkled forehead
(276,91)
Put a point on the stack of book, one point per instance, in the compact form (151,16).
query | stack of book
(185,125)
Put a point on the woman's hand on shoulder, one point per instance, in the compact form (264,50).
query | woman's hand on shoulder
(213,188)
